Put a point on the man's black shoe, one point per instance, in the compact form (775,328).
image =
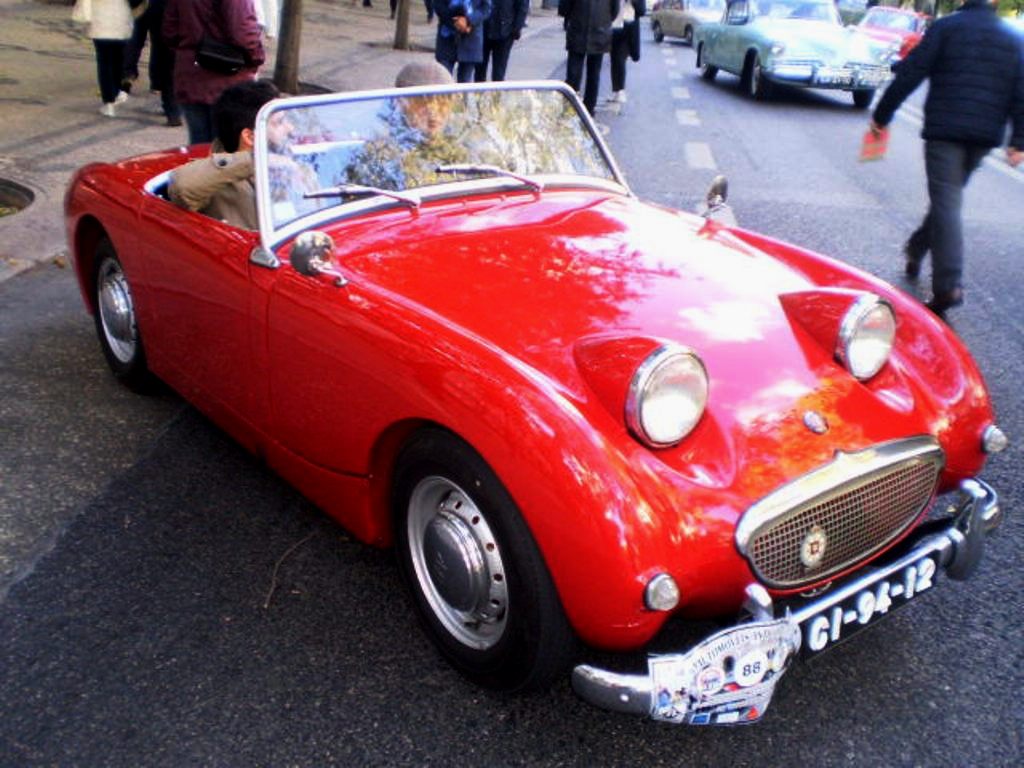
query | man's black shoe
(940,302)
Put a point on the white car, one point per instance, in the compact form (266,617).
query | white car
(680,18)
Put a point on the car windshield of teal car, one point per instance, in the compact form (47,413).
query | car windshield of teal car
(402,146)
(802,10)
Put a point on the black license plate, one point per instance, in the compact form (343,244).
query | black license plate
(891,590)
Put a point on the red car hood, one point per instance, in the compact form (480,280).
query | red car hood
(534,279)
(885,35)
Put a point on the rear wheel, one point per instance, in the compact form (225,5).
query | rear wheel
(863,99)
(659,35)
(477,578)
(116,321)
(688,36)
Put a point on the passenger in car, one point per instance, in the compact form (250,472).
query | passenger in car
(221,185)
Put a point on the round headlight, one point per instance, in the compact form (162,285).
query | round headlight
(667,396)
(865,336)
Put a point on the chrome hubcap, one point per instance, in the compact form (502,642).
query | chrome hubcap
(457,563)
(117,312)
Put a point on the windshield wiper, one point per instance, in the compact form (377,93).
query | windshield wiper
(410,199)
(533,184)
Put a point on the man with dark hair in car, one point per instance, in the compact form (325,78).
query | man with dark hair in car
(221,185)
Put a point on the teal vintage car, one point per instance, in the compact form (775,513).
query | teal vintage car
(791,42)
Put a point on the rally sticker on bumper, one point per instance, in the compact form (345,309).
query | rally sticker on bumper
(728,678)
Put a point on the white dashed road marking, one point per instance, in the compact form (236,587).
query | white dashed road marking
(687,117)
(698,155)
(680,93)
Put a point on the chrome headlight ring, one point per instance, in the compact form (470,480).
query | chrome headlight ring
(667,396)
(866,335)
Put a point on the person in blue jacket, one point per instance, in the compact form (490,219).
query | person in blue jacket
(460,35)
(503,27)
(974,65)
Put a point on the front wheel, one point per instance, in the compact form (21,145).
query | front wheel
(478,580)
(707,71)
(863,99)
(659,35)
(757,85)
(116,321)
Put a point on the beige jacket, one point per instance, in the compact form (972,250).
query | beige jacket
(219,186)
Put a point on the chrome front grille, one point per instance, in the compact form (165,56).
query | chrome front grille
(840,514)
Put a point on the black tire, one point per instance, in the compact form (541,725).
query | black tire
(707,71)
(116,321)
(754,81)
(862,99)
(658,34)
(478,580)
(688,36)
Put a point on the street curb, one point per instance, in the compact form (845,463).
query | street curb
(343,49)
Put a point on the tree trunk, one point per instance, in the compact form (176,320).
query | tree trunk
(402,26)
(286,70)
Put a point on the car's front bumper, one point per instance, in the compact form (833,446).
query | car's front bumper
(813,75)
(730,676)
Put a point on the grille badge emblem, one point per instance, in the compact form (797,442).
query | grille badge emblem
(813,550)
(815,422)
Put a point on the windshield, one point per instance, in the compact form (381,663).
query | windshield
(807,10)
(897,22)
(396,140)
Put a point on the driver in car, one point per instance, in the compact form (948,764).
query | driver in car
(221,185)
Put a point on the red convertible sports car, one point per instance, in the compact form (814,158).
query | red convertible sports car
(900,29)
(574,414)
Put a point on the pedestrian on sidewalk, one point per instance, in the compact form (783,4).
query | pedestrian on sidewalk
(268,16)
(625,44)
(110,27)
(975,69)
(588,37)
(161,60)
(186,23)
(459,45)
(502,28)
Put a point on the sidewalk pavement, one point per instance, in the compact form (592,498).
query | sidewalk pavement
(49,121)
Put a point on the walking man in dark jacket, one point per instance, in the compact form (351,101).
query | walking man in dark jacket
(975,67)
(502,28)
(588,37)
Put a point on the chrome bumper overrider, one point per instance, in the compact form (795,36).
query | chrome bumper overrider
(730,676)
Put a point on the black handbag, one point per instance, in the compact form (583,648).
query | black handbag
(222,58)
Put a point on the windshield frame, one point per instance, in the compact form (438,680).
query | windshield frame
(272,237)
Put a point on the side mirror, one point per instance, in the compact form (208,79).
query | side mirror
(311,256)
(715,208)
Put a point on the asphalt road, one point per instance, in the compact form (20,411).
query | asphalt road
(183,606)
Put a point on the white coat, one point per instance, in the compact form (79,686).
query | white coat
(110,20)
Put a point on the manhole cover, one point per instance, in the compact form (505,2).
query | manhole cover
(14,197)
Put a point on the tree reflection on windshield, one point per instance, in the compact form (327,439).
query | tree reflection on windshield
(397,142)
